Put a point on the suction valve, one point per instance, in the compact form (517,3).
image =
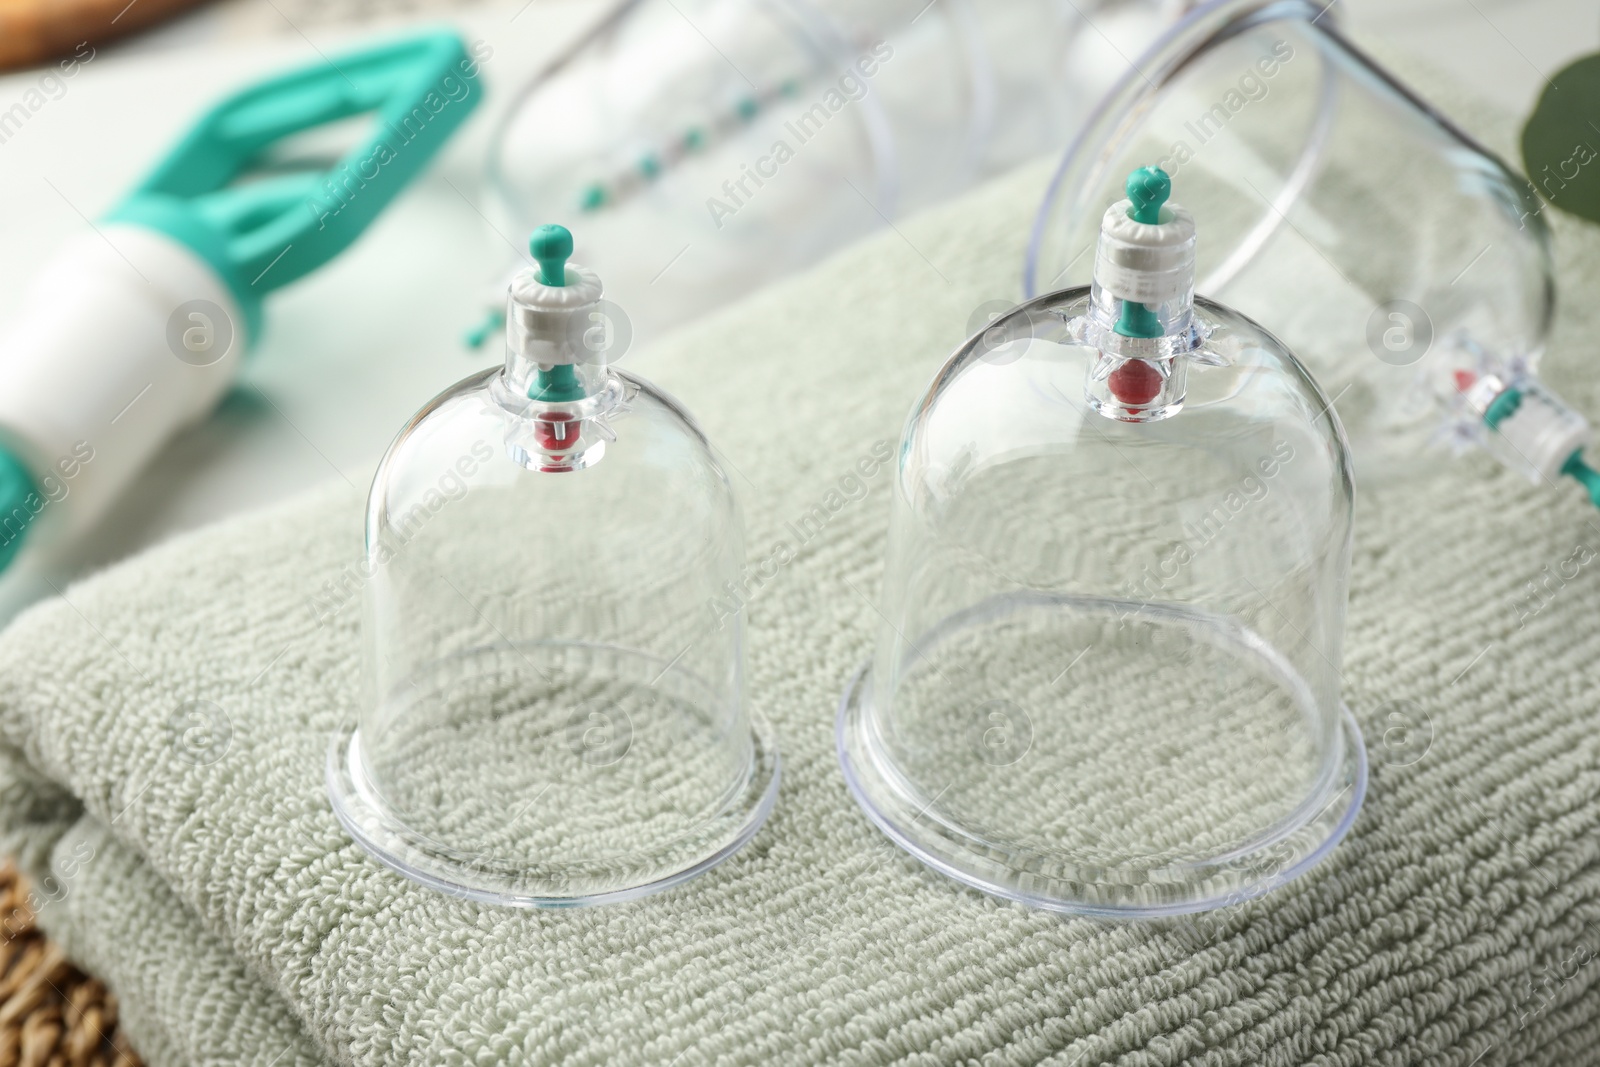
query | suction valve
(547,311)
(1142,303)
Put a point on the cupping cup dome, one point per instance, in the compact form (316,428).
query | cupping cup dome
(1107,679)
(553,710)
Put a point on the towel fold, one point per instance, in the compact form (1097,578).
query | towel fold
(164,727)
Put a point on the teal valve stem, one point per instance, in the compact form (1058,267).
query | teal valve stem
(1147,188)
(558,385)
(1137,320)
(551,246)
(1502,408)
(1586,475)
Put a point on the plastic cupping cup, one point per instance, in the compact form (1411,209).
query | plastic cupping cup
(1107,678)
(706,147)
(1404,263)
(553,711)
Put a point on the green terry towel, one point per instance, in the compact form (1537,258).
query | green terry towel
(165,726)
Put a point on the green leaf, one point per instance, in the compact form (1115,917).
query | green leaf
(1561,141)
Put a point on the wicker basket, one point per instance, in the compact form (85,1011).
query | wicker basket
(51,1013)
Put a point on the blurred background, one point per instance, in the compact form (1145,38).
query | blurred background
(351,353)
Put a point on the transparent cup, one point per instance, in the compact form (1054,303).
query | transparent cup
(706,147)
(553,708)
(1399,258)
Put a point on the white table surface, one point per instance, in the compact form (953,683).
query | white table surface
(349,355)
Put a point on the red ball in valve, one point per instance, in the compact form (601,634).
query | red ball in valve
(556,431)
(1135,383)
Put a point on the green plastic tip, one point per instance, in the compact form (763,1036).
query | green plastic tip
(593,198)
(1576,468)
(747,107)
(1148,188)
(693,138)
(557,385)
(551,245)
(649,166)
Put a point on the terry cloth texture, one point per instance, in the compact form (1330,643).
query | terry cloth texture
(239,925)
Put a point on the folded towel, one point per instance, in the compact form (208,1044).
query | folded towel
(164,726)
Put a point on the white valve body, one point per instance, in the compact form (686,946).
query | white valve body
(89,366)
(1541,434)
(539,317)
(1149,263)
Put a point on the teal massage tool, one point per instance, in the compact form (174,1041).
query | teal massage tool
(137,328)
